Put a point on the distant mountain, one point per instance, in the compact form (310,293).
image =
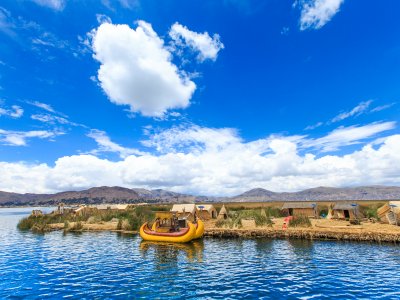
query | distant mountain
(255,193)
(104,194)
(96,195)
(323,193)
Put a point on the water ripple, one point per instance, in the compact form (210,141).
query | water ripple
(113,266)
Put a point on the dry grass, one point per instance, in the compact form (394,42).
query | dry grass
(235,218)
(130,219)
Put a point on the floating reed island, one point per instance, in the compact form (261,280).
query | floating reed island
(375,221)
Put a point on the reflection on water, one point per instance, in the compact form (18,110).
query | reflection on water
(168,253)
(114,265)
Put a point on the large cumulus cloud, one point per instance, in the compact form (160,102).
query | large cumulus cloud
(136,69)
(213,167)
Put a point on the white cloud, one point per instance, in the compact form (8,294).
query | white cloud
(129,4)
(19,138)
(34,37)
(46,107)
(15,112)
(207,46)
(7,24)
(54,119)
(214,161)
(382,107)
(103,19)
(191,138)
(136,69)
(220,168)
(316,125)
(106,145)
(361,108)
(285,31)
(51,119)
(48,39)
(345,136)
(43,106)
(316,13)
(57,5)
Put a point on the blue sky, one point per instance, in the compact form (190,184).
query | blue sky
(205,97)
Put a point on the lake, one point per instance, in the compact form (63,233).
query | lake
(105,265)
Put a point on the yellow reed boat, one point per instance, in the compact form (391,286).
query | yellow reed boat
(167,228)
(199,229)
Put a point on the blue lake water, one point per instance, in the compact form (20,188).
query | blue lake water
(114,266)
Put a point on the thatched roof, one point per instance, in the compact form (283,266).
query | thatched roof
(299,205)
(207,207)
(344,206)
(394,203)
(181,208)
(223,211)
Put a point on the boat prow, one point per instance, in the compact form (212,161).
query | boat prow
(199,229)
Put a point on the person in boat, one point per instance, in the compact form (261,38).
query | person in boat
(168,228)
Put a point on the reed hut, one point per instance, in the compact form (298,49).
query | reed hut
(223,213)
(307,209)
(185,211)
(36,213)
(60,209)
(390,213)
(206,211)
(84,210)
(345,211)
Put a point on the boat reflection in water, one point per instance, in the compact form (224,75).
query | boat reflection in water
(169,253)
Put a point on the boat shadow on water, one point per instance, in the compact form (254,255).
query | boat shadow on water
(166,253)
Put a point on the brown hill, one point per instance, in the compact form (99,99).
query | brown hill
(104,194)
(96,195)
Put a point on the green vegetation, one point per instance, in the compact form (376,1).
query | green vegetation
(235,218)
(273,212)
(25,223)
(35,223)
(237,208)
(370,211)
(323,210)
(300,221)
(77,226)
(129,219)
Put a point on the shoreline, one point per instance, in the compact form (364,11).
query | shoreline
(305,234)
(331,234)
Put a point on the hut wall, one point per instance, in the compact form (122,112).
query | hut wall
(204,214)
(222,216)
(340,214)
(188,216)
(382,211)
(309,212)
(213,213)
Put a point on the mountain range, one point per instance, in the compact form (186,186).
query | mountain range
(104,194)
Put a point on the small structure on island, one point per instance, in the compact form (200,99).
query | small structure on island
(111,206)
(84,210)
(344,211)
(36,213)
(307,209)
(206,211)
(390,213)
(185,211)
(223,213)
(60,209)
